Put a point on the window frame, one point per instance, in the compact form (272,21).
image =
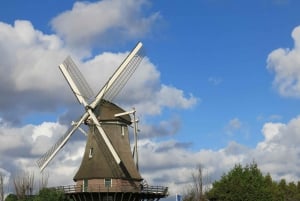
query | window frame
(107,182)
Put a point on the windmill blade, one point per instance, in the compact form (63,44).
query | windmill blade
(108,143)
(83,92)
(104,136)
(49,155)
(112,88)
(75,85)
(76,81)
(120,76)
(123,77)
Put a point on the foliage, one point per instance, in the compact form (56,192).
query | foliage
(248,183)
(46,194)
(11,197)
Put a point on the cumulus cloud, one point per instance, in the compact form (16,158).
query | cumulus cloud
(171,157)
(279,152)
(104,22)
(27,56)
(30,75)
(285,63)
(21,146)
(175,162)
(147,94)
(31,85)
(29,79)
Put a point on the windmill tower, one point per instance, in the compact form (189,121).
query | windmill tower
(109,169)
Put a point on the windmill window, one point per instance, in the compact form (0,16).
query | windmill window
(85,185)
(107,183)
(122,130)
(91,152)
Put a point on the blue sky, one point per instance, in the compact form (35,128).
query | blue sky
(219,85)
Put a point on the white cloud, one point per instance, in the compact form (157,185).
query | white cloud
(30,73)
(14,138)
(47,134)
(160,161)
(22,146)
(279,152)
(29,77)
(285,63)
(30,82)
(31,85)
(147,94)
(30,57)
(46,129)
(279,134)
(173,98)
(103,22)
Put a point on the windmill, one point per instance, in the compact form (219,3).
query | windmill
(109,168)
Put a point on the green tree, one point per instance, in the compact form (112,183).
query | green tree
(271,188)
(11,197)
(50,194)
(241,184)
(46,194)
(297,196)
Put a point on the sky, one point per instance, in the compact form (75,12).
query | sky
(219,86)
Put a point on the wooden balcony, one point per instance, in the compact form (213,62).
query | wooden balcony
(124,193)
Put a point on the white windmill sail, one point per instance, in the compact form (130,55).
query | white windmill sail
(49,155)
(78,84)
(79,87)
(126,69)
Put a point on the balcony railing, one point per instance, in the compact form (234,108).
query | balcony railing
(159,190)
